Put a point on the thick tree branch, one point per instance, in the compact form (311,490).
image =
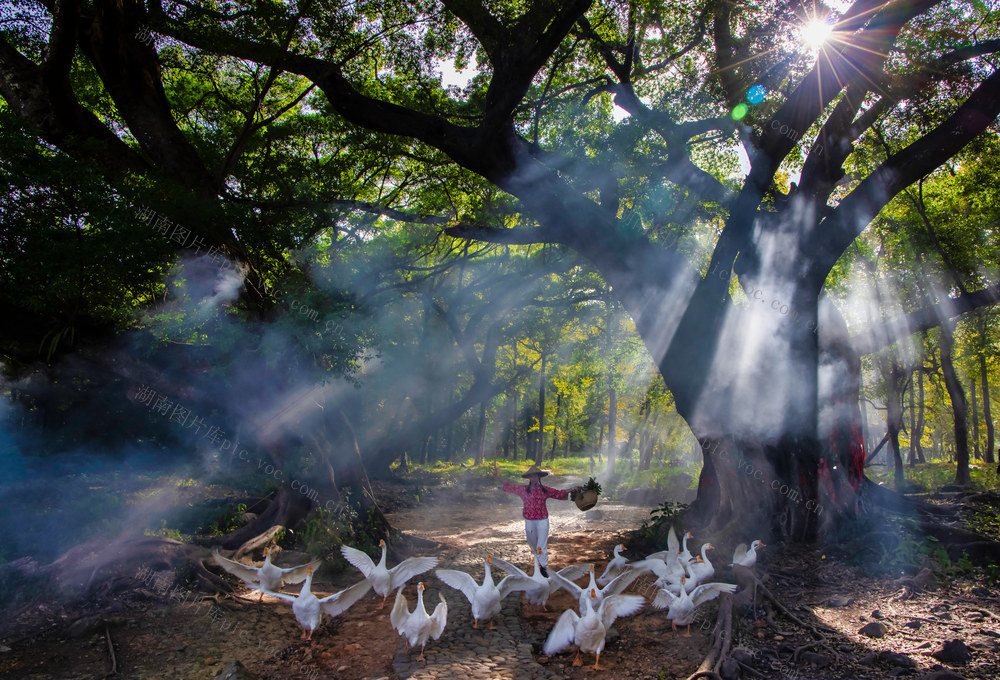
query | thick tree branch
(924,319)
(130,71)
(60,118)
(519,237)
(900,170)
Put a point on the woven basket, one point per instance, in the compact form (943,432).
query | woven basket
(586,500)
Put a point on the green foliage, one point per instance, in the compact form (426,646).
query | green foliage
(164,532)
(654,531)
(324,531)
(230,520)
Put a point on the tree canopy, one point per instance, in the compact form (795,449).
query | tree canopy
(653,140)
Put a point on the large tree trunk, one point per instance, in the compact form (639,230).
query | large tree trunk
(959,406)
(757,417)
(987,416)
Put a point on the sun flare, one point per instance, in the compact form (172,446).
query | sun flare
(815,34)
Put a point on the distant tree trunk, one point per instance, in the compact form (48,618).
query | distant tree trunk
(894,420)
(959,406)
(449,437)
(911,457)
(990,441)
(429,444)
(555,425)
(513,424)
(481,438)
(626,449)
(507,434)
(600,443)
(919,431)
(647,446)
(975,420)
(539,452)
(569,432)
(612,429)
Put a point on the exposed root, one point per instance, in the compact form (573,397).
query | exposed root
(784,610)
(103,569)
(704,674)
(258,541)
(286,509)
(722,637)
(111,653)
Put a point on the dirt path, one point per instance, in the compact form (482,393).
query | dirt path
(154,636)
(469,525)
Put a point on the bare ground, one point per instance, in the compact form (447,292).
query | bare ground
(153,636)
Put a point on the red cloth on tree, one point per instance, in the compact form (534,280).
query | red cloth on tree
(534,500)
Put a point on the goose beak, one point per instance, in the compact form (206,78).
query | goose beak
(420,586)
(711,547)
(690,535)
(381,542)
(489,560)
(622,546)
(309,570)
(593,593)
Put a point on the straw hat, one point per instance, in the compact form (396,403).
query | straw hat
(535,470)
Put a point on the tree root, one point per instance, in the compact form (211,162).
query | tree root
(102,569)
(258,541)
(286,509)
(784,610)
(895,502)
(111,653)
(722,637)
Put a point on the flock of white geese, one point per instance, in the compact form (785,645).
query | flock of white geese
(682,584)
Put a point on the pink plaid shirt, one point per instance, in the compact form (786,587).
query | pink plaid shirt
(534,502)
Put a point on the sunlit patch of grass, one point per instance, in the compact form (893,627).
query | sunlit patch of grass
(933,475)
(508,469)
(164,532)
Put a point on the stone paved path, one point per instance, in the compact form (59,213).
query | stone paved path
(477,523)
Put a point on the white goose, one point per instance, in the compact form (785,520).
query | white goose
(543,586)
(746,558)
(309,609)
(384,580)
(587,632)
(702,568)
(266,577)
(615,566)
(685,554)
(682,606)
(486,597)
(417,627)
(673,550)
(687,581)
(592,593)
(670,570)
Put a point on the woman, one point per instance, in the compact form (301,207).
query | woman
(536,515)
